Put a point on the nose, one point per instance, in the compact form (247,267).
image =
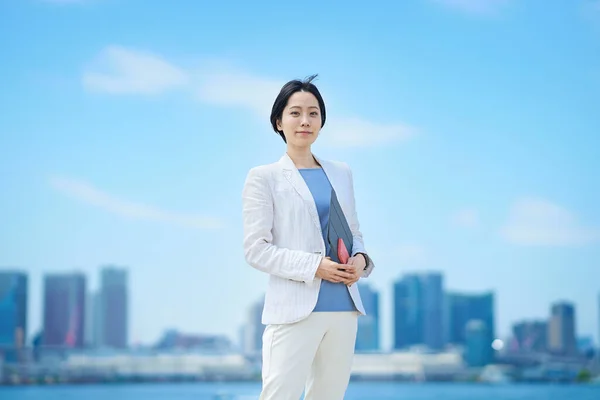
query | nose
(305,121)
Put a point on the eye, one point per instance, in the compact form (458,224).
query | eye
(314,113)
(295,113)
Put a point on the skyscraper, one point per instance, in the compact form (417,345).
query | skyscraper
(113,307)
(463,307)
(253,329)
(408,312)
(531,336)
(13,313)
(64,310)
(418,311)
(367,336)
(479,351)
(433,307)
(94,329)
(561,329)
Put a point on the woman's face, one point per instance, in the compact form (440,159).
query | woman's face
(301,120)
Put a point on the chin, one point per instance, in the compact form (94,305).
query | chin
(303,142)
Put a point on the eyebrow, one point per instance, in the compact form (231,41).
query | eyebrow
(308,107)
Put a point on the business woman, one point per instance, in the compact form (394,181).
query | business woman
(311,303)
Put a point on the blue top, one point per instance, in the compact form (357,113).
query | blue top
(332,296)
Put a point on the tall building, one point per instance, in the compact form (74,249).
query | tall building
(479,351)
(96,319)
(13,313)
(253,329)
(64,310)
(89,320)
(530,336)
(113,308)
(367,336)
(433,307)
(94,329)
(562,338)
(418,311)
(463,307)
(408,312)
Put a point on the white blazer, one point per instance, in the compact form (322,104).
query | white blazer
(283,236)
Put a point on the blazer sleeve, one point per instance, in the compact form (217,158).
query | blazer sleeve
(358,245)
(259,250)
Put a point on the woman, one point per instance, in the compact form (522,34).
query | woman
(311,304)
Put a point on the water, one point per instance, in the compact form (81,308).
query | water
(356,391)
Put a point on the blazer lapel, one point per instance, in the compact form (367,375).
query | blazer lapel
(291,173)
(329,172)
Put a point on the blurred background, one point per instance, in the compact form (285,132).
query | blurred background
(127,128)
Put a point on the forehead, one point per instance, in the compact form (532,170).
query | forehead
(303,99)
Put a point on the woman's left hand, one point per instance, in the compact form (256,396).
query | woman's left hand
(359,263)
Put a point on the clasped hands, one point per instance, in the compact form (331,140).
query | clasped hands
(348,273)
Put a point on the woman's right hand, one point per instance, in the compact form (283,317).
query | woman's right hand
(334,272)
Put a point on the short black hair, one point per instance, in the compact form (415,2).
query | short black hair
(286,92)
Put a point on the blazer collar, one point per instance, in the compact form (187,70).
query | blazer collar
(291,173)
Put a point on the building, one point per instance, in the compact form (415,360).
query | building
(464,307)
(408,313)
(94,328)
(418,311)
(64,310)
(478,350)
(367,335)
(433,307)
(112,311)
(530,336)
(13,314)
(561,329)
(175,340)
(253,329)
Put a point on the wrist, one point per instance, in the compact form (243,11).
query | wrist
(365,258)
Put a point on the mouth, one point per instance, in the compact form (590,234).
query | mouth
(304,132)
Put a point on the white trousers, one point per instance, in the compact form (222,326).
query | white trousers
(313,355)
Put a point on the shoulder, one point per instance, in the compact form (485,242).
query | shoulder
(265,171)
(339,166)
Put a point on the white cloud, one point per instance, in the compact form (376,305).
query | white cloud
(237,89)
(89,194)
(466,218)
(537,222)
(356,132)
(474,6)
(119,70)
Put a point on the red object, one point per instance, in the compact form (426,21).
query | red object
(342,252)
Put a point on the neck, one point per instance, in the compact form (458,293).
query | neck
(302,157)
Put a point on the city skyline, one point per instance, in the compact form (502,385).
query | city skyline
(72,314)
(128,129)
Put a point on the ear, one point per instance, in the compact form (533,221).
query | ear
(279,125)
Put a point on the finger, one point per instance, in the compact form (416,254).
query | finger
(341,275)
(345,275)
(349,268)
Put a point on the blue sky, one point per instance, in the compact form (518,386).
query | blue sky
(472,128)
